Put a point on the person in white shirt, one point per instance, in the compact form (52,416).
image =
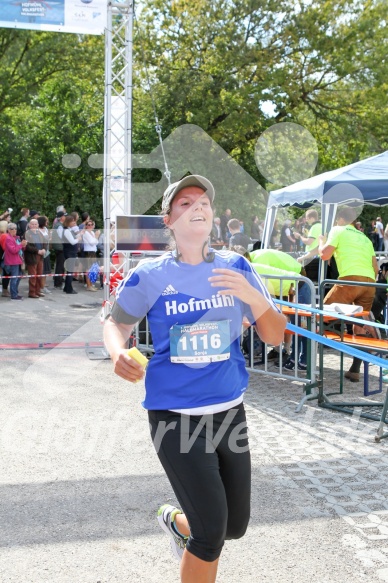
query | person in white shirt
(43,222)
(90,242)
(70,247)
(216,234)
(386,240)
(380,233)
(57,246)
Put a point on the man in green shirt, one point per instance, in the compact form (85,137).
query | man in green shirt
(279,263)
(356,261)
(275,258)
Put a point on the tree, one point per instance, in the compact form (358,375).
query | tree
(29,59)
(62,115)
(320,64)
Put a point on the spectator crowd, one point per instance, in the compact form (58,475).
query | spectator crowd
(68,248)
(228,231)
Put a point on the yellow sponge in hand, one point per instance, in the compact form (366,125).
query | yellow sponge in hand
(138,356)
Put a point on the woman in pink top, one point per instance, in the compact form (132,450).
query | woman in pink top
(13,259)
(4,281)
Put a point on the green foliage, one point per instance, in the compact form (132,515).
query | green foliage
(320,64)
(54,107)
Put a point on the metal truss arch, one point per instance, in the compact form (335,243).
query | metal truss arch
(117,192)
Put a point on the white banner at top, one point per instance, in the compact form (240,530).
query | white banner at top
(76,16)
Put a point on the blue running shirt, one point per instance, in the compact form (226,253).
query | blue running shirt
(173,293)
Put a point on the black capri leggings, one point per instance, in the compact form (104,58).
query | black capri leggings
(207,461)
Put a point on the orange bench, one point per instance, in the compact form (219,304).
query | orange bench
(362,343)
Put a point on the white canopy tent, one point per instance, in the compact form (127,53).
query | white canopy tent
(364,182)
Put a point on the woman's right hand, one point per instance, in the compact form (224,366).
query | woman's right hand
(127,368)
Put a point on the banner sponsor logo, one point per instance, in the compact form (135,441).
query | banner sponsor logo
(76,16)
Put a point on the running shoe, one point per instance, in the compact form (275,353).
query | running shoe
(290,365)
(275,355)
(166,515)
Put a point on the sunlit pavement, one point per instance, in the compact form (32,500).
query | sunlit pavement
(80,482)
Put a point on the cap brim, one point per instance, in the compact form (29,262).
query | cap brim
(191,180)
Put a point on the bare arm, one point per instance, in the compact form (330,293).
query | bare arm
(309,255)
(325,251)
(116,337)
(270,324)
(305,240)
(375,264)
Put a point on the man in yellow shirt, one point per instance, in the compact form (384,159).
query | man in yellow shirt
(279,263)
(356,261)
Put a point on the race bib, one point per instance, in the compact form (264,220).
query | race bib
(201,342)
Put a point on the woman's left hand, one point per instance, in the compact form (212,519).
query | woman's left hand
(271,327)
(235,284)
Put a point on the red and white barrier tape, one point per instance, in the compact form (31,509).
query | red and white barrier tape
(50,345)
(76,273)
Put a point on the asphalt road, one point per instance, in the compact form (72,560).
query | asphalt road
(80,482)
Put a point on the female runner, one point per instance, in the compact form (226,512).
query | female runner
(195,300)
